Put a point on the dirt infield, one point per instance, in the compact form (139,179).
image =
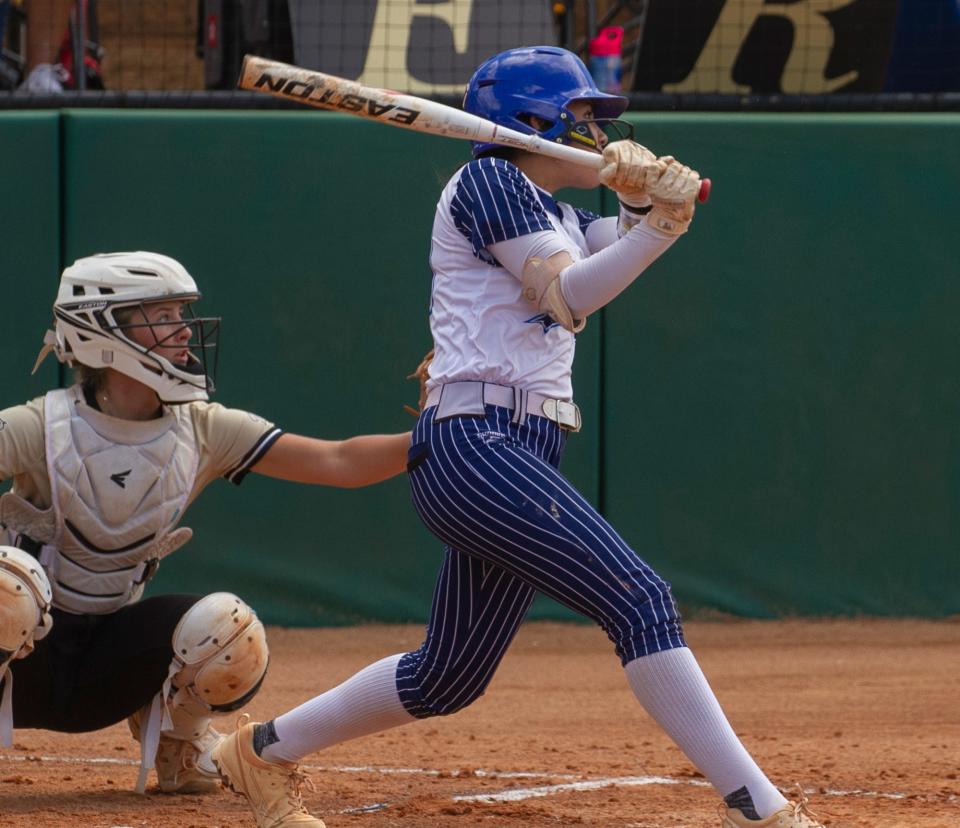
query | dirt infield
(863,714)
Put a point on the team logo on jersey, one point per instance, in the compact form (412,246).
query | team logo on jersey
(3,424)
(544,320)
(120,478)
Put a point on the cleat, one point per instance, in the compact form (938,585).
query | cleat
(271,788)
(183,766)
(791,815)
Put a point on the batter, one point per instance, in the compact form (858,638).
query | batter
(516,274)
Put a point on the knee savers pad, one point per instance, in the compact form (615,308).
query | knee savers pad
(222,647)
(25,598)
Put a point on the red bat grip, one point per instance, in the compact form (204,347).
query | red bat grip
(705,185)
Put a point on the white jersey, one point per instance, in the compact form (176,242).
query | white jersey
(483,328)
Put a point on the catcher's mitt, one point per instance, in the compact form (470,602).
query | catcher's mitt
(421,374)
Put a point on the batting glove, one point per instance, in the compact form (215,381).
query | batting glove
(629,167)
(674,195)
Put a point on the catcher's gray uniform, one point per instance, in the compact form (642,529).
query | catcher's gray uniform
(107,654)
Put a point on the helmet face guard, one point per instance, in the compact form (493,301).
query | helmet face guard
(581,134)
(198,367)
(103,300)
(515,86)
(201,349)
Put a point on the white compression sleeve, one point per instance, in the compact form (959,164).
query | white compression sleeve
(591,283)
(601,233)
(514,253)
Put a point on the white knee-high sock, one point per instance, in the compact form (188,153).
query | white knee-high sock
(365,703)
(673,690)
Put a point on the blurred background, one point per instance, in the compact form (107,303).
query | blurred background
(772,411)
(692,53)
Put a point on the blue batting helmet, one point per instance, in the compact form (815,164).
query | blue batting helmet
(535,80)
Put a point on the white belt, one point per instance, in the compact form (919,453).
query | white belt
(467,398)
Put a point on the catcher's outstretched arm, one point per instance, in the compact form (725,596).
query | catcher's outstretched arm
(347,464)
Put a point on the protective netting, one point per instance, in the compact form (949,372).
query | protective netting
(828,54)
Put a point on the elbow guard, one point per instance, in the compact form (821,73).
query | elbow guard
(540,283)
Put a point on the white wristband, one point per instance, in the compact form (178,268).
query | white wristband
(630,216)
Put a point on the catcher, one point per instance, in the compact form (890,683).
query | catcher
(102,474)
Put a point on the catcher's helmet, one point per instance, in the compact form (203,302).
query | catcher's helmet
(535,80)
(87,330)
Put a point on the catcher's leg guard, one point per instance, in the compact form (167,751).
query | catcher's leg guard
(183,765)
(25,598)
(220,660)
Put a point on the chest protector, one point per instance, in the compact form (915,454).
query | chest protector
(118,488)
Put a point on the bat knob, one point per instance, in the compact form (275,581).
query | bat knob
(704,194)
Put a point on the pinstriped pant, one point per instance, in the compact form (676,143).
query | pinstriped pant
(513,525)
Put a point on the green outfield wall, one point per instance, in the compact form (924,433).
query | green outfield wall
(771,410)
(29,248)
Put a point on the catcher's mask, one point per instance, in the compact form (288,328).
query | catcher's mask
(103,299)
